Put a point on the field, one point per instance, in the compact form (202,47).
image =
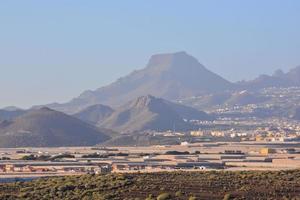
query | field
(175,185)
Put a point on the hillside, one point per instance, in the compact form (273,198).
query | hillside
(94,114)
(245,98)
(47,128)
(169,76)
(224,99)
(151,113)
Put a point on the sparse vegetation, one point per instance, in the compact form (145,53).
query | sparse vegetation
(176,185)
(164,196)
(5,158)
(46,157)
(107,155)
(177,153)
(35,157)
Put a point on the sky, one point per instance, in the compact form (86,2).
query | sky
(51,51)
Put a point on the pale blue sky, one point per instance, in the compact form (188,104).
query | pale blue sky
(53,50)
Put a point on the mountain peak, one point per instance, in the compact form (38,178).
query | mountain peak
(171,76)
(169,59)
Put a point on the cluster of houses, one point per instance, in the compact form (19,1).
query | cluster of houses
(260,135)
(274,135)
(54,167)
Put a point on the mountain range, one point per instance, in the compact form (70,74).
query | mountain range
(169,76)
(174,76)
(45,127)
(150,94)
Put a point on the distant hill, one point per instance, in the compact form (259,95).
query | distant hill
(169,76)
(278,79)
(9,114)
(11,108)
(245,98)
(151,113)
(94,114)
(48,128)
(228,98)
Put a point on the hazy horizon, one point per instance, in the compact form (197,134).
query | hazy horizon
(53,51)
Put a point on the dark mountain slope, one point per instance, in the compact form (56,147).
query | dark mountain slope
(47,128)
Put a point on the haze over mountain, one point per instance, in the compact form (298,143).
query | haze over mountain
(169,76)
(177,76)
(9,114)
(47,128)
(151,113)
(94,114)
(278,79)
(11,108)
